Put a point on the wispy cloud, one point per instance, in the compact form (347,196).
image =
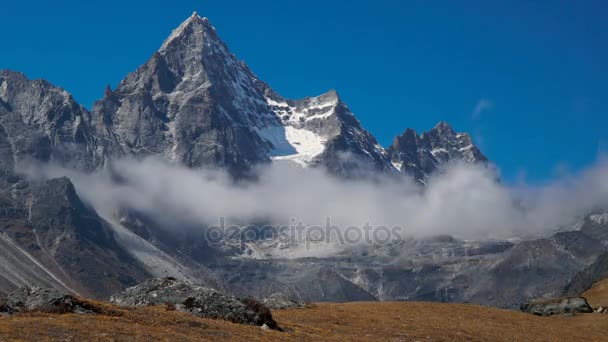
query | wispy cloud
(483,105)
(465,201)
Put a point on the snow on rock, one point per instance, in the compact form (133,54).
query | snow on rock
(599,218)
(305,143)
(421,155)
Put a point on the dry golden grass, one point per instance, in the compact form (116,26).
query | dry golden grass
(598,294)
(337,322)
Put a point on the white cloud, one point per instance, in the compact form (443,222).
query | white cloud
(464,201)
(483,105)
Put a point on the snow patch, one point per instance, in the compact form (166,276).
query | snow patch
(293,144)
(397,165)
(600,218)
(315,109)
(438,150)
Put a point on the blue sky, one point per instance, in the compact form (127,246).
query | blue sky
(528,79)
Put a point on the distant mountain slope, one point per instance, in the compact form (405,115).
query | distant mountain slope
(53,239)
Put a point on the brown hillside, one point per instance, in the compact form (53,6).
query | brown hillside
(598,294)
(338,322)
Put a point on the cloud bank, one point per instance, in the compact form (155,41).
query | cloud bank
(465,201)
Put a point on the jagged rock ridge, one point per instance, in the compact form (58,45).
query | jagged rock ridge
(421,155)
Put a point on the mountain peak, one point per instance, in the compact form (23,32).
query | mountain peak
(331,95)
(194,19)
(443,125)
(421,155)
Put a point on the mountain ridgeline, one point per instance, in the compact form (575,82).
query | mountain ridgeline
(195,104)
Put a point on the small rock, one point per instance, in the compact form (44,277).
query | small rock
(280,301)
(264,327)
(601,310)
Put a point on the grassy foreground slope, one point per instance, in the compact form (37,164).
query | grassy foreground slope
(403,321)
(597,295)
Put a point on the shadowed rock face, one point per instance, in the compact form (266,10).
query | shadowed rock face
(55,240)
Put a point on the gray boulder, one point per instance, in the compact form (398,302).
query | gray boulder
(197,300)
(280,301)
(568,305)
(33,298)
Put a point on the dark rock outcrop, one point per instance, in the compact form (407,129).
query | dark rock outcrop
(38,299)
(197,300)
(571,305)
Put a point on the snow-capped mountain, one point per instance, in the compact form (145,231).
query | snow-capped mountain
(421,155)
(195,103)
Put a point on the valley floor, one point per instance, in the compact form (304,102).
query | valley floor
(403,321)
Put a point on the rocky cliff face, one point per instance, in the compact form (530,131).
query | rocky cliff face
(52,238)
(49,236)
(421,155)
(193,102)
(441,269)
(42,122)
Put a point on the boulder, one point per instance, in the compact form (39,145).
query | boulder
(601,309)
(38,299)
(280,301)
(570,305)
(197,300)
